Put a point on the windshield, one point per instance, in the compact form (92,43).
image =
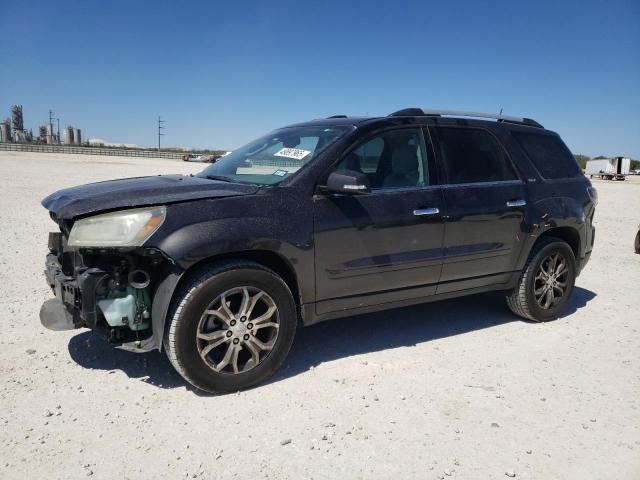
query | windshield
(276,156)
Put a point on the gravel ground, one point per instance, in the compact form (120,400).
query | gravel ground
(460,388)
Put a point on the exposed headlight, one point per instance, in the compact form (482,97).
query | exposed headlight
(125,228)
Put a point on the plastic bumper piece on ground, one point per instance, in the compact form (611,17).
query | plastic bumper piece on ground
(55,316)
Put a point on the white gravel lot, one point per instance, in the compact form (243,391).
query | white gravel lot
(457,389)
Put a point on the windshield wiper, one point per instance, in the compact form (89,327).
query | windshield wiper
(221,178)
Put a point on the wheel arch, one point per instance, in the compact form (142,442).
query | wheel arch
(569,235)
(272,260)
(267,258)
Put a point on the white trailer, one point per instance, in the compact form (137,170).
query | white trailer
(609,168)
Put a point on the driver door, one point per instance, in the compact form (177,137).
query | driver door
(385,246)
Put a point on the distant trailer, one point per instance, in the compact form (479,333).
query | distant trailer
(616,168)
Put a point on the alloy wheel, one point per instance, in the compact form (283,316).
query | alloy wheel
(238,330)
(551,280)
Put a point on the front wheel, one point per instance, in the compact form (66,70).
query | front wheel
(546,282)
(231,326)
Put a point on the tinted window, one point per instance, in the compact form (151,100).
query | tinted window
(472,155)
(393,159)
(550,156)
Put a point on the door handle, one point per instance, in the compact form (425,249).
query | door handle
(426,211)
(516,203)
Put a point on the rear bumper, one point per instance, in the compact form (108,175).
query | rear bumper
(589,241)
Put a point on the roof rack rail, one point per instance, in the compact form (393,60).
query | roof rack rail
(415,112)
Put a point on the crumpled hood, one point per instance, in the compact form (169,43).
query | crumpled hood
(137,192)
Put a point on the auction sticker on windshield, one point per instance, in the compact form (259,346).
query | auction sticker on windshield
(295,153)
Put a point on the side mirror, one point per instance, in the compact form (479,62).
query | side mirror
(348,182)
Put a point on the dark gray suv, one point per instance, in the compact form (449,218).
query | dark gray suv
(319,220)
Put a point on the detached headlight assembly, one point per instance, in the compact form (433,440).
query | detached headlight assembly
(124,228)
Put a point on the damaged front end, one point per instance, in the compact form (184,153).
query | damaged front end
(103,268)
(110,290)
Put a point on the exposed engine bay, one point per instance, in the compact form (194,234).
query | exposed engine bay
(104,289)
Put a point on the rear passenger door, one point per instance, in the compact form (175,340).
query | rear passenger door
(485,203)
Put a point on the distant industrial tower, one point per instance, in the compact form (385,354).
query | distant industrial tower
(67,135)
(42,133)
(71,136)
(51,137)
(17,120)
(5,131)
(77,136)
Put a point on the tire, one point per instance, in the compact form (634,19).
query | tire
(522,300)
(637,242)
(190,314)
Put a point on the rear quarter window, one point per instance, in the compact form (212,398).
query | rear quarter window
(472,155)
(549,154)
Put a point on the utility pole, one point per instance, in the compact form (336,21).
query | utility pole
(58,120)
(160,128)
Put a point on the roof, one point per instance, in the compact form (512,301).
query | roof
(426,115)
(335,120)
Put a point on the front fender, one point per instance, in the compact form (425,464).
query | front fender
(194,233)
(196,242)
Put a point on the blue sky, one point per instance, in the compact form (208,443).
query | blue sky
(222,73)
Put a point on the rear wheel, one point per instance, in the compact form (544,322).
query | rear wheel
(231,326)
(546,282)
(637,242)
